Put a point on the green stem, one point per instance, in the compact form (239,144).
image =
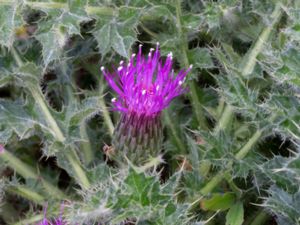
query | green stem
(247,68)
(250,58)
(78,170)
(39,98)
(240,155)
(31,220)
(261,218)
(90,10)
(18,165)
(27,194)
(94,70)
(192,85)
(232,185)
(86,145)
(148,31)
(248,146)
(225,119)
(106,117)
(171,126)
(213,183)
(28,172)
(76,165)
(56,131)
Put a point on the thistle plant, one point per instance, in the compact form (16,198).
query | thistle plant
(145,86)
(221,147)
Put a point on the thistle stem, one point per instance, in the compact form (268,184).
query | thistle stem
(170,124)
(90,10)
(31,220)
(192,85)
(260,218)
(79,172)
(28,172)
(76,165)
(56,131)
(86,145)
(27,193)
(18,165)
(248,146)
(250,59)
(225,119)
(247,68)
(213,183)
(37,95)
(106,117)
(240,155)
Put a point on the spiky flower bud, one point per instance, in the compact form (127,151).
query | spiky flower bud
(145,87)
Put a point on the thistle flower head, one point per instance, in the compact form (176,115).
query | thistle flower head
(56,221)
(145,85)
(2,149)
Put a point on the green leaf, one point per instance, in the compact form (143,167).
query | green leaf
(218,202)
(235,215)
(121,44)
(14,118)
(284,204)
(103,37)
(10,19)
(109,37)
(200,58)
(48,40)
(118,33)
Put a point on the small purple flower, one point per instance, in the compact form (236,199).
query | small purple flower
(2,149)
(56,221)
(145,86)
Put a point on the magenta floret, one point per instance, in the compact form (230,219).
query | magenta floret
(145,85)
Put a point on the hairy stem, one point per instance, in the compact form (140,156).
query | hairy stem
(86,145)
(31,220)
(213,183)
(101,10)
(56,131)
(192,85)
(249,60)
(260,218)
(240,155)
(249,145)
(28,172)
(77,168)
(246,69)
(225,119)
(27,194)
(170,124)
(38,96)
(106,116)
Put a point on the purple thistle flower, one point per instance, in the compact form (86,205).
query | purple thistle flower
(2,149)
(145,86)
(56,221)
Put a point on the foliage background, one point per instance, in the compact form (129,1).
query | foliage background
(231,147)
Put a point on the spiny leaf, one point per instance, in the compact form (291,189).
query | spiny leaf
(10,19)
